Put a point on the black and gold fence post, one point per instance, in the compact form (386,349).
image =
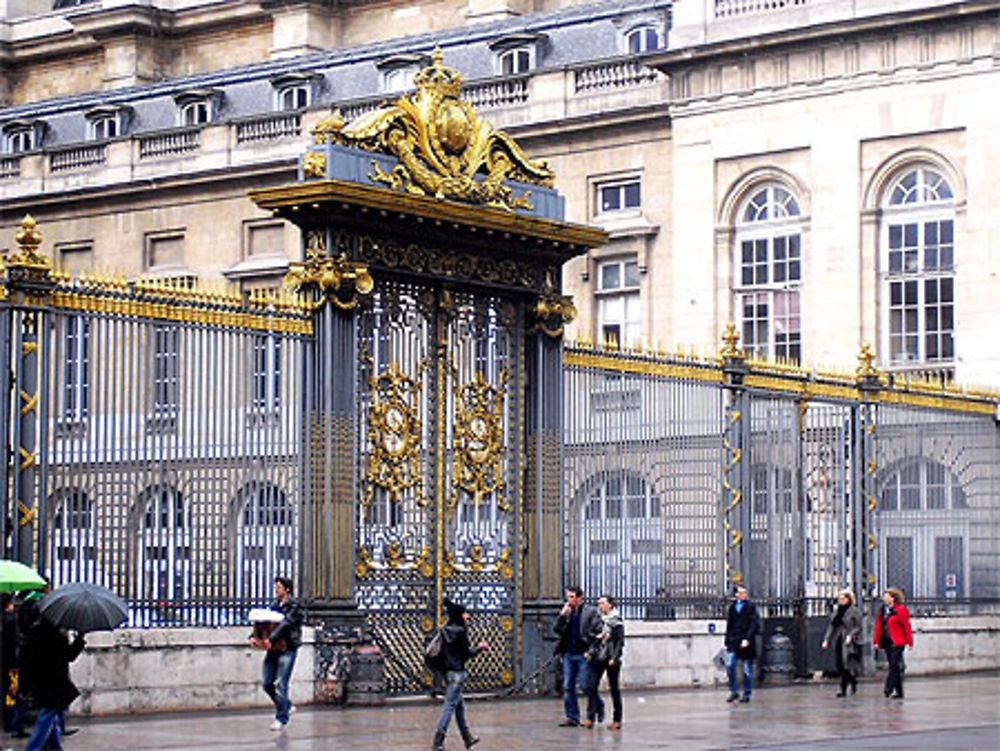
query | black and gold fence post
(543,514)
(865,542)
(735,517)
(27,285)
(333,284)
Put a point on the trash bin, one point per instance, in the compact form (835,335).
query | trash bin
(779,659)
(366,681)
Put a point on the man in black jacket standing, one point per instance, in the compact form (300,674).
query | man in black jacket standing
(282,646)
(742,625)
(577,627)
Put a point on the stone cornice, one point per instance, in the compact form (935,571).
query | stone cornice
(809,36)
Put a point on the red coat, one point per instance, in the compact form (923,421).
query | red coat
(898,626)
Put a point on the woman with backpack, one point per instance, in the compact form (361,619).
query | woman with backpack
(455,652)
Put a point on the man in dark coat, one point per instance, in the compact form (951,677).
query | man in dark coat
(578,626)
(46,673)
(742,625)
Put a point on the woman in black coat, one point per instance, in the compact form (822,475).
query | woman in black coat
(46,668)
(605,655)
(455,652)
(843,633)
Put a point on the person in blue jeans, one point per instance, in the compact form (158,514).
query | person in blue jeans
(578,626)
(46,672)
(742,626)
(455,652)
(282,645)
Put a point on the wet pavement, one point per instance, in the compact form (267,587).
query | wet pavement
(960,713)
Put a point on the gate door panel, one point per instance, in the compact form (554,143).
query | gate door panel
(439,377)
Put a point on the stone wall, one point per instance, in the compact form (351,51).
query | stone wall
(157,670)
(135,671)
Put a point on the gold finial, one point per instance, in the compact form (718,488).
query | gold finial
(27,261)
(731,340)
(866,369)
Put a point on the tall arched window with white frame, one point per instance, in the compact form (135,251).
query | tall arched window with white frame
(917,263)
(767,276)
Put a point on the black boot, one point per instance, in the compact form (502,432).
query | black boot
(438,744)
(469,738)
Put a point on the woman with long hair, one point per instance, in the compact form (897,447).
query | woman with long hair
(605,656)
(843,633)
(893,634)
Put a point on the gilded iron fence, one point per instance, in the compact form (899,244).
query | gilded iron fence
(157,430)
(684,476)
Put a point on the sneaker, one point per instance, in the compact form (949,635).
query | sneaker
(277,725)
(745,699)
(567,723)
(732,698)
(292,709)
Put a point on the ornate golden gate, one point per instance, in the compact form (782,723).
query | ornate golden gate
(433,257)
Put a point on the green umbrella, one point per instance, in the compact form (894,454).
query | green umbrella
(15,576)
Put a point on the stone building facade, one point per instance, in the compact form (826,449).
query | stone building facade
(816,171)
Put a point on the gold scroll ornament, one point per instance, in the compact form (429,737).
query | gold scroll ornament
(441,145)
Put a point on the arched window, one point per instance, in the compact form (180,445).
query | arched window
(768,273)
(918,269)
(265,540)
(618,537)
(164,546)
(925,530)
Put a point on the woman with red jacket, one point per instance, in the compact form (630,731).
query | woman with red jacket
(893,634)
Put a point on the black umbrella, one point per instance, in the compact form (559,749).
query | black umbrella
(84,607)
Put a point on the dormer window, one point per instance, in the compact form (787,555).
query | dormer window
(195,113)
(294,91)
(106,122)
(20,136)
(644,38)
(517,53)
(515,61)
(399,71)
(198,106)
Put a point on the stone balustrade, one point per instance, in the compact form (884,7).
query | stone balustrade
(78,157)
(271,127)
(502,93)
(170,143)
(613,75)
(10,166)
(731,8)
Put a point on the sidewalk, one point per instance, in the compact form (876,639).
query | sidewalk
(959,713)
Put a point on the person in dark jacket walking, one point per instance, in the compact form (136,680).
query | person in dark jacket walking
(894,634)
(742,625)
(46,673)
(843,633)
(605,655)
(455,652)
(282,645)
(577,627)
